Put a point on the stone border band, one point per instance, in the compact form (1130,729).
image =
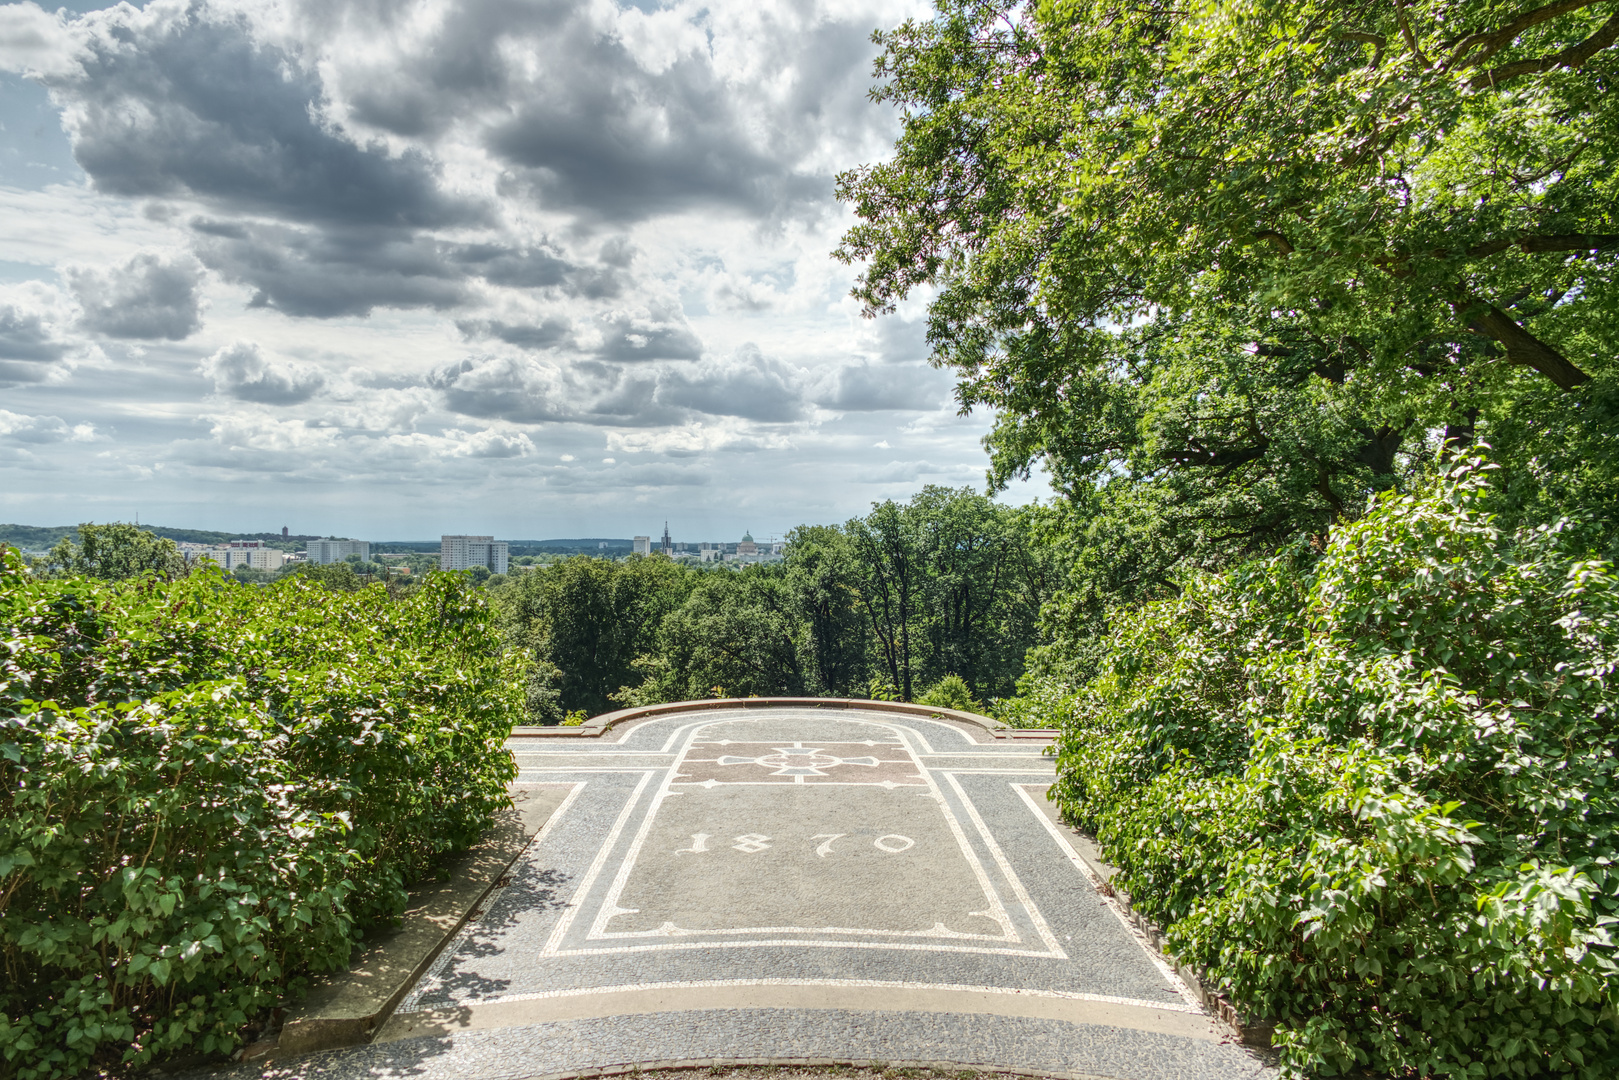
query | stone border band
(599,725)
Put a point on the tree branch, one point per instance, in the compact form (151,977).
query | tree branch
(1277,240)
(1571,57)
(1377,41)
(1495,40)
(1410,38)
(1535,245)
(1521,346)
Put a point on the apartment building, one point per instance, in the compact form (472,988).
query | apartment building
(236,553)
(323,552)
(465,552)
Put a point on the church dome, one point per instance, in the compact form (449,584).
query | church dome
(747,538)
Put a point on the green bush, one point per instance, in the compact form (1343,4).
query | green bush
(209,791)
(951,692)
(1373,793)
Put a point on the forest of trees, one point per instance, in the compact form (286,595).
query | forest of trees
(890,605)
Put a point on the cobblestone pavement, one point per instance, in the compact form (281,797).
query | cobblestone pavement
(796,885)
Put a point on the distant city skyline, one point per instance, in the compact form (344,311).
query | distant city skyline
(268,264)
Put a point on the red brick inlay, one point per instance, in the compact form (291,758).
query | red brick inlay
(883,764)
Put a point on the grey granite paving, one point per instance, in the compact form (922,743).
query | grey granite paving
(803,847)
(785,1035)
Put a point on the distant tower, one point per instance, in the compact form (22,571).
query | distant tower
(668,544)
(283,532)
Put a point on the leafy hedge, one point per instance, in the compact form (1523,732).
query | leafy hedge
(1373,793)
(210,790)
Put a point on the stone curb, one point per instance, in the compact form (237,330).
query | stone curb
(1249,1032)
(634,1068)
(346,1008)
(597,726)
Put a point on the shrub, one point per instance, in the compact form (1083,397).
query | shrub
(1373,794)
(209,791)
(951,692)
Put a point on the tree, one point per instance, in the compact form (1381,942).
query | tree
(1257,258)
(589,619)
(821,574)
(949,584)
(742,630)
(888,559)
(982,588)
(116,551)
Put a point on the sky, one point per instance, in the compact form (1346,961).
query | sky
(396,268)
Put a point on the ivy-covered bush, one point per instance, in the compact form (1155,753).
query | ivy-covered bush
(211,790)
(1372,793)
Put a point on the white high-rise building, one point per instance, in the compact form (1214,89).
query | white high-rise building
(643,545)
(465,552)
(323,552)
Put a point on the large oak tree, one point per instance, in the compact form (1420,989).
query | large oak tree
(1227,268)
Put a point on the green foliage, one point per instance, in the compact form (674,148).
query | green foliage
(951,692)
(949,582)
(584,622)
(1042,701)
(115,552)
(1372,792)
(339,577)
(880,689)
(208,791)
(1229,269)
(741,630)
(821,576)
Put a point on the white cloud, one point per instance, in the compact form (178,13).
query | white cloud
(43,429)
(36,42)
(36,342)
(243,371)
(150,297)
(566,261)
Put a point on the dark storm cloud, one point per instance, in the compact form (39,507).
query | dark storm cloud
(869,388)
(748,386)
(188,103)
(658,333)
(500,265)
(629,148)
(662,336)
(751,386)
(584,126)
(540,268)
(549,333)
(325,273)
(333,271)
(149,298)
